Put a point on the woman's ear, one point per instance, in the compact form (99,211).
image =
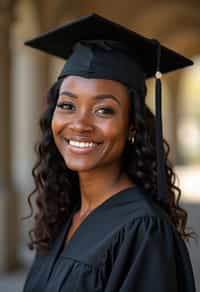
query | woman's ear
(131,130)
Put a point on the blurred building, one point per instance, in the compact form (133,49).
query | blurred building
(25,76)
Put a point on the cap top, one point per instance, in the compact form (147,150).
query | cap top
(60,42)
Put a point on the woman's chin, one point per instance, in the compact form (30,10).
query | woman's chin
(80,167)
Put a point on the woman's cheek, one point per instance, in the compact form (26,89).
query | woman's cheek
(58,122)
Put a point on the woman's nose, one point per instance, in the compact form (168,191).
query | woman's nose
(82,122)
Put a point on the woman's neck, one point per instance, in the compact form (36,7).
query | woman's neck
(99,185)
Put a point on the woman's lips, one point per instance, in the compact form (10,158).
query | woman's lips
(81,150)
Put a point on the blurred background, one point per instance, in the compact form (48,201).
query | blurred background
(25,76)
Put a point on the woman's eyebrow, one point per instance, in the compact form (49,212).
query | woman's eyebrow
(98,97)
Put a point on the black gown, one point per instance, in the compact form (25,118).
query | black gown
(126,244)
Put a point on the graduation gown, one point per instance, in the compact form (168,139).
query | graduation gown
(126,244)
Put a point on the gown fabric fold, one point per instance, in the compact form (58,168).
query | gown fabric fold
(126,244)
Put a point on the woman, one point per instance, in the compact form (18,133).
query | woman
(108,217)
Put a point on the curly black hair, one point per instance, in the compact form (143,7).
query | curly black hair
(57,187)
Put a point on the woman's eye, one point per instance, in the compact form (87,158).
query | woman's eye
(65,105)
(106,110)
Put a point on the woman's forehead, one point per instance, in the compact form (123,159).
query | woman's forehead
(94,85)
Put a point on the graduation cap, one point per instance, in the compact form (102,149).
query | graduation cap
(96,47)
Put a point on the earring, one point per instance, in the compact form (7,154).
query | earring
(131,139)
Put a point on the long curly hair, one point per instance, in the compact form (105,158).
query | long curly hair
(57,187)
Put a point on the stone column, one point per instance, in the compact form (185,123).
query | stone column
(8,199)
(31,74)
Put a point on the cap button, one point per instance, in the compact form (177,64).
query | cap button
(158,75)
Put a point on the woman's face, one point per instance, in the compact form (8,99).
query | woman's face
(90,122)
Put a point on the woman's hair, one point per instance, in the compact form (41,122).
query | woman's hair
(57,187)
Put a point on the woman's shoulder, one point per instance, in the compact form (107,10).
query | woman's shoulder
(141,206)
(135,217)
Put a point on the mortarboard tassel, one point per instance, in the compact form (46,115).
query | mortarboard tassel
(161,172)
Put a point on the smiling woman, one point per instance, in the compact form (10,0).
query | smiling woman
(108,215)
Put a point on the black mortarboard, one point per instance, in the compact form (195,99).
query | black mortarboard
(99,48)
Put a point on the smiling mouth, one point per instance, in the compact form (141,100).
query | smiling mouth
(81,147)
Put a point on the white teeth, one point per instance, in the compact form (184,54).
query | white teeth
(82,144)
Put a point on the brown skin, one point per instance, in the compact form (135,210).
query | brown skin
(87,118)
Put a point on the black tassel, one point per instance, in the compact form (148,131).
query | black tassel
(161,171)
